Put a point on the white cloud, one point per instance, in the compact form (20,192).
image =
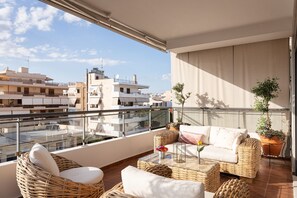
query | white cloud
(69,18)
(19,39)
(89,61)
(166,76)
(92,52)
(38,17)
(9,48)
(5,22)
(5,12)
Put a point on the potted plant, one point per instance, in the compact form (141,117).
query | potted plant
(272,140)
(181,98)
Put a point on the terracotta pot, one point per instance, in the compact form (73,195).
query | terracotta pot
(271,146)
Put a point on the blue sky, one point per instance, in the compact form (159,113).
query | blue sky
(63,47)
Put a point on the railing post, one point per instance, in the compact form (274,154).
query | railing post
(84,130)
(18,148)
(202,116)
(150,119)
(124,128)
(238,120)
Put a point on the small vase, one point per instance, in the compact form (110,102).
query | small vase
(162,155)
(198,155)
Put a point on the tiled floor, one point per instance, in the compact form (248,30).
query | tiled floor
(273,180)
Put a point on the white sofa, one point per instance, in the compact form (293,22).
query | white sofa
(232,148)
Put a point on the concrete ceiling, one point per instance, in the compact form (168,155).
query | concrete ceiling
(200,24)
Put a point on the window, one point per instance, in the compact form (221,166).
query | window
(77,90)
(51,92)
(78,101)
(42,90)
(19,101)
(121,89)
(97,77)
(128,90)
(26,91)
(1,101)
(59,145)
(19,89)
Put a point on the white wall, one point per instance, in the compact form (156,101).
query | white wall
(98,154)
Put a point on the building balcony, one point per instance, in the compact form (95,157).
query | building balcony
(274,176)
(131,95)
(33,84)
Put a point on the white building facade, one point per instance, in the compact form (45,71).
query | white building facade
(115,93)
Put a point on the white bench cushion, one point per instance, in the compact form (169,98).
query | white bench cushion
(40,156)
(203,130)
(214,131)
(143,184)
(209,152)
(84,175)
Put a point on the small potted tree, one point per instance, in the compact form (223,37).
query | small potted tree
(181,98)
(272,140)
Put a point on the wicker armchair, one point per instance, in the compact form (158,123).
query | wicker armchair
(118,190)
(35,182)
(249,155)
(233,188)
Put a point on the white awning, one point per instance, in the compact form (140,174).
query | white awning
(94,100)
(127,99)
(94,90)
(142,100)
(72,101)
(72,90)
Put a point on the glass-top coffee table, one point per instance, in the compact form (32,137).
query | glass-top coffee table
(207,172)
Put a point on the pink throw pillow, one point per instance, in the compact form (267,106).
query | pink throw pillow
(189,138)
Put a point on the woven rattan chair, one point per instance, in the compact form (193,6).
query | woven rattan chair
(233,188)
(36,182)
(118,191)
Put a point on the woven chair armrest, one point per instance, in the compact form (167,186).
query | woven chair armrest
(161,170)
(165,137)
(63,163)
(233,188)
(116,194)
(249,151)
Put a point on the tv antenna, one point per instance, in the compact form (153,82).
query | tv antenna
(101,64)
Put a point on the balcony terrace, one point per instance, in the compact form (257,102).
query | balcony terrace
(219,50)
(56,132)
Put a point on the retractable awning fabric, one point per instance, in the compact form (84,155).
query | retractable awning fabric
(72,101)
(94,100)
(103,18)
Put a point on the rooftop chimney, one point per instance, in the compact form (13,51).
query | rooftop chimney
(23,70)
(134,78)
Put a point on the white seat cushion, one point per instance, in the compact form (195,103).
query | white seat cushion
(209,152)
(40,156)
(84,175)
(203,130)
(143,184)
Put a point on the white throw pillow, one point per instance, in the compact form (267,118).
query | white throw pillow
(237,141)
(42,158)
(202,130)
(225,139)
(84,175)
(143,184)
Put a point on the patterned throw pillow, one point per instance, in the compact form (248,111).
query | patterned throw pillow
(189,138)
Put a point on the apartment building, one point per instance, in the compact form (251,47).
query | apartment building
(22,92)
(116,93)
(77,96)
